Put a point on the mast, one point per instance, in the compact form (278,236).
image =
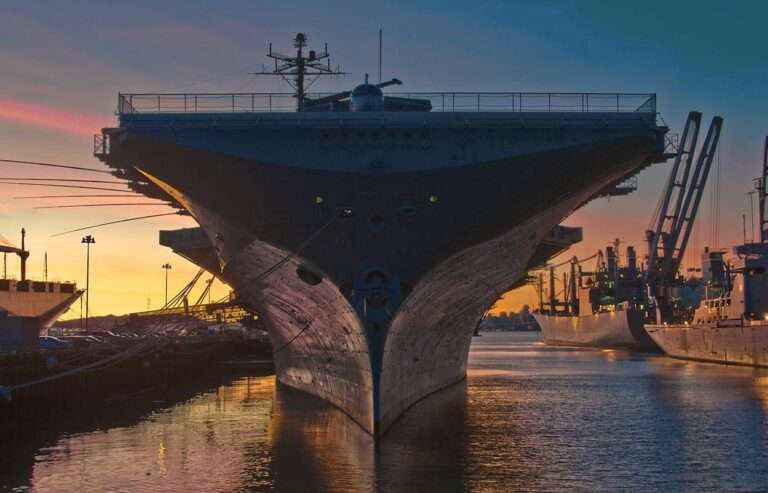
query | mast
(541,292)
(301,71)
(574,299)
(763,191)
(23,254)
(552,301)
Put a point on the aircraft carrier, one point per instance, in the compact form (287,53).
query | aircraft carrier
(371,231)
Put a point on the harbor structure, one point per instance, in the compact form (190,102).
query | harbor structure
(371,231)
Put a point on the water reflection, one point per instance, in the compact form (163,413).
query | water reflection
(315,447)
(528,418)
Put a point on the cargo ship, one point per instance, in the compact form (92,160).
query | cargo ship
(610,306)
(602,308)
(372,230)
(28,308)
(731,324)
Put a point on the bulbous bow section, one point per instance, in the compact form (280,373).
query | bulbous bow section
(318,340)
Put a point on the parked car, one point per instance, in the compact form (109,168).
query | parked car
(50,342)
(81,340)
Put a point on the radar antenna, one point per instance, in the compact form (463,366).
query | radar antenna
(295,70)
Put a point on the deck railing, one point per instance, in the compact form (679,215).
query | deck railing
(441,102)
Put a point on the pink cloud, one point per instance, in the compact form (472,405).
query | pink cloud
(51,117)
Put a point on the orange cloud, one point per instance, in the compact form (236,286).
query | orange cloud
(51,117)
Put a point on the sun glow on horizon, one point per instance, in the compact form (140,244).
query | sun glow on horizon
(50,117)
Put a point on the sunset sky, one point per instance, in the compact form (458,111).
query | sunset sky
(63,63)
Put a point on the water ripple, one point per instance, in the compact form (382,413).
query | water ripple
(528,418)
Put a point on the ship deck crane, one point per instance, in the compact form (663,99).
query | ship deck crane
(680,204)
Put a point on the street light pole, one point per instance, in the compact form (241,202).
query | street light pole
(167,267)
(88,240)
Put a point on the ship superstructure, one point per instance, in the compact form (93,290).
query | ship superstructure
(604,307)
(371,231)
(29,307)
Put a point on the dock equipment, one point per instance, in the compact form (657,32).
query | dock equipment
(681,200)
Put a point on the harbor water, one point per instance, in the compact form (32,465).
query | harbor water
(528,418)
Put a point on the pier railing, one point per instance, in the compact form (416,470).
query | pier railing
(441,102)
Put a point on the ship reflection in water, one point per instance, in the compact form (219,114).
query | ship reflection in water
(529,417)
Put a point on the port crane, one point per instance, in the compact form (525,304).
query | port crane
(679,206)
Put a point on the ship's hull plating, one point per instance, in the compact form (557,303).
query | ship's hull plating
(622,328)
(734,345)
(322,346)
(371,254)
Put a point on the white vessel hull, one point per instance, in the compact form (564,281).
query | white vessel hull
(622,328)
(734,344)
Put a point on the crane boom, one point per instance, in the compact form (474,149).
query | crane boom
(681,200)
(676,186)
(684,225)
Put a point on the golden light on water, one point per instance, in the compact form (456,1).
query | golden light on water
(761,391)
(161,457)
(609,354)
(494,431)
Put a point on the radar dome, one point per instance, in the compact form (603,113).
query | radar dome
(367,97)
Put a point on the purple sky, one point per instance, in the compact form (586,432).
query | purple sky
(64,62)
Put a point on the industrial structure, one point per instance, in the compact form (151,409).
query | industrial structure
(610,306)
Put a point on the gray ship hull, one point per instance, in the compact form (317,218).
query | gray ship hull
(730,344)
(371,273)
(622,328)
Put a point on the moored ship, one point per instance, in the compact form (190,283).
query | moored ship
(610,306)
(368,229)
(28,308)
(603,308)
(731,323)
